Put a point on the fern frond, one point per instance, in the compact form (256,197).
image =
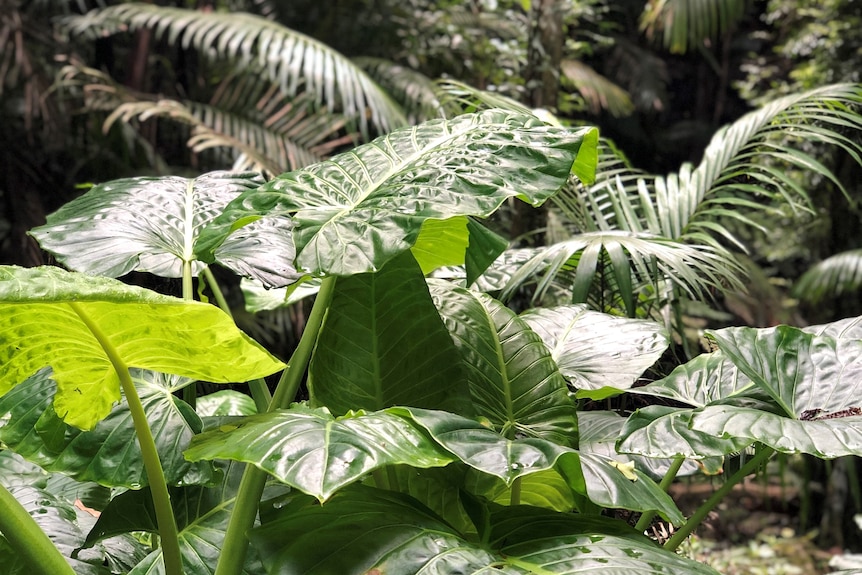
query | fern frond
(294,61)
(837,275)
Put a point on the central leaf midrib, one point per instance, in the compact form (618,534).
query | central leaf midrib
(508,427)
(188,221)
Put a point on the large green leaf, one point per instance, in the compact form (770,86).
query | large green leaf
(547,489)
(596,350)
(202,515)
(665,432)
(108,454)
(706,379)
(483,448)
(600,431)
(825,438)
(596,476)
(152,225)
(317,453)
(42,312)
(383,344)
(513,379)
(804,373)
(366,531)
(358,210)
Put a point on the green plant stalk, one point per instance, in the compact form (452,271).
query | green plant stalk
(683,532)
(253,480)
(646,517)
(190,392)
(26,538)
(168,532)
(259,391)
(515,493)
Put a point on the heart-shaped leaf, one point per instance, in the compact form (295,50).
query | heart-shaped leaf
(59,521)
(591,475)
(596,350)
(383,344)
(317,453)
(109,454)
(152,225)
(360,209)
(513,379)
(484,449)
(42,322)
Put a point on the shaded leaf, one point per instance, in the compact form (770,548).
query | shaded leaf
(383,344)
(363,531)
(225,402)
(202,515)
(109,454)
(514,381)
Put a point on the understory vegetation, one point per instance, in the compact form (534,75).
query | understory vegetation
(382,324)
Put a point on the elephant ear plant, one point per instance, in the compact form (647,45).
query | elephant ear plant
(441,433)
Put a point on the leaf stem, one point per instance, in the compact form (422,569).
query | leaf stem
(515,494)
(155,475)
(253,481)
(646,517)
(27,538)
(763,453)
(190,392)
(259,391)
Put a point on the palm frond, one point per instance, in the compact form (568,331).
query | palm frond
(414,91)
(294,61)
(598,92)
(632,263)
(459,98)
(685,24)
(743,168)
(836,275)
(260,130)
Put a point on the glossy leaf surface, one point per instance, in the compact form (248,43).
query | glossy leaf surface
(358,210)
(109,453)
(363,531)
(383,344)
(596,350)
(803,372)
(592,475)
(39,327)
(152,225)
(513,379)
(317,453)
(600,431)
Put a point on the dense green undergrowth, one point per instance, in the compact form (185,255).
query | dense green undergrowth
(443,433)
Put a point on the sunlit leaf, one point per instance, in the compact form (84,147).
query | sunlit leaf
(42,312)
